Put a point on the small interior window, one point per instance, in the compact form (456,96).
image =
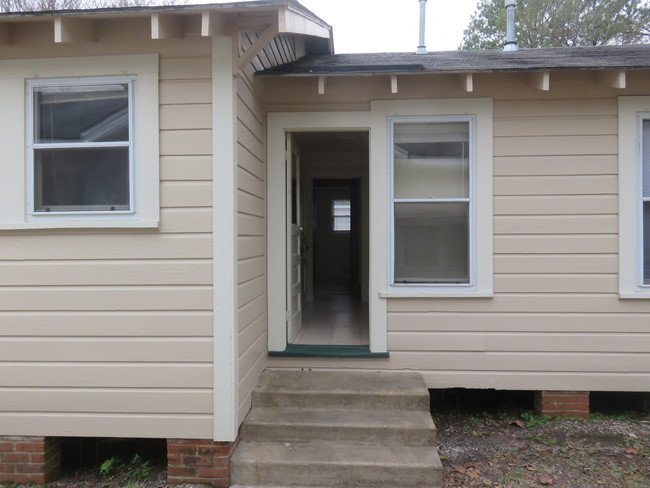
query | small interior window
(341,215)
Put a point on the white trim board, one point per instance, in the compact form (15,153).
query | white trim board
(278,125)
(224,236)
(630,233)
(14,198)
(380,178)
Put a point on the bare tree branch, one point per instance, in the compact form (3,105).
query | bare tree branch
(50,5)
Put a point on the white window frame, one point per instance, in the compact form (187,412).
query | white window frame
(632,111)
(32,146)
(471,199)
(641,117)
(481,112)
(15,198)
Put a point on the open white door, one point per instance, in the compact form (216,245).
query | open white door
(294,231)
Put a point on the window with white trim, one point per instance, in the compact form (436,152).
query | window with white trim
(432,201)
(80,145)
(634,196)
(80,142)
(644,156)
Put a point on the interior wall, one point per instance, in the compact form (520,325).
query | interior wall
(332,253)
(343,164)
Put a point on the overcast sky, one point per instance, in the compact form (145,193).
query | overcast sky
(393,25)
(365,26)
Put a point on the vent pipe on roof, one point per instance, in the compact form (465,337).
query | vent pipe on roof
(422,49)
(511,43)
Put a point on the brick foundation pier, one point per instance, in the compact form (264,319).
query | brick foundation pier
(29,459)
(559,403)
(199,461)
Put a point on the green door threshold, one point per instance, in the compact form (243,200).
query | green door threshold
(313,351)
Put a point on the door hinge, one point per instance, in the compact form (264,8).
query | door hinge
(287,315)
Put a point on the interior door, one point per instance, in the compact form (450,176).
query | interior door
(294,237)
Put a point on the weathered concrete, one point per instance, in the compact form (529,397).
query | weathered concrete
(338,429)
(411,428)
(355,389)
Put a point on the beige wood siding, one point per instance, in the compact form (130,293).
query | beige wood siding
(109,332)
(556,320)
(251,238)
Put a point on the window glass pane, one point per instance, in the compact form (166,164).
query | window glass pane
(341,208)
(646,243)
(431,242)
(342,224)
(645,156)
(431,160)
(91,113)
(81,179)
(341,211)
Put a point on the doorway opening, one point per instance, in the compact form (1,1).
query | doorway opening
(329,206)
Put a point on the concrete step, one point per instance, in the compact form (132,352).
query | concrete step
(334,465)
(339,389)
(383,427)
(311,486)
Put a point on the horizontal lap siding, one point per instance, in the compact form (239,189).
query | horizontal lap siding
(251,239)
(556,321)
(109,333)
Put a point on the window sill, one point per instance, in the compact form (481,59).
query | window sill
(81,224)
(639,295)
(435,294)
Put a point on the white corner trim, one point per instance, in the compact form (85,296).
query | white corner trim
(224,236)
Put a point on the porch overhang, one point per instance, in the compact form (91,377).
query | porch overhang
(271,17)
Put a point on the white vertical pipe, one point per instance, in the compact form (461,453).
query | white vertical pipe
(422,49)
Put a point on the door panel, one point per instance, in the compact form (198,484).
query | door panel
(294,231)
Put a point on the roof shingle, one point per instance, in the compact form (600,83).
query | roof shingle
(548,59)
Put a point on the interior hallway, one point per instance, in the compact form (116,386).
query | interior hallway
(334,319)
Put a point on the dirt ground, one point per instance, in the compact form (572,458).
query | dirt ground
(494,450)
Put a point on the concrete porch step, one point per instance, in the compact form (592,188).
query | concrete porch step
(335,465)
(302,486)
(338,429)
(353,389)
(384,427)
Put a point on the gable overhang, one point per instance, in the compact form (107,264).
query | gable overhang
(267,17)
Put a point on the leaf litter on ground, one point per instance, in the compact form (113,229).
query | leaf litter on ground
(559,453)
